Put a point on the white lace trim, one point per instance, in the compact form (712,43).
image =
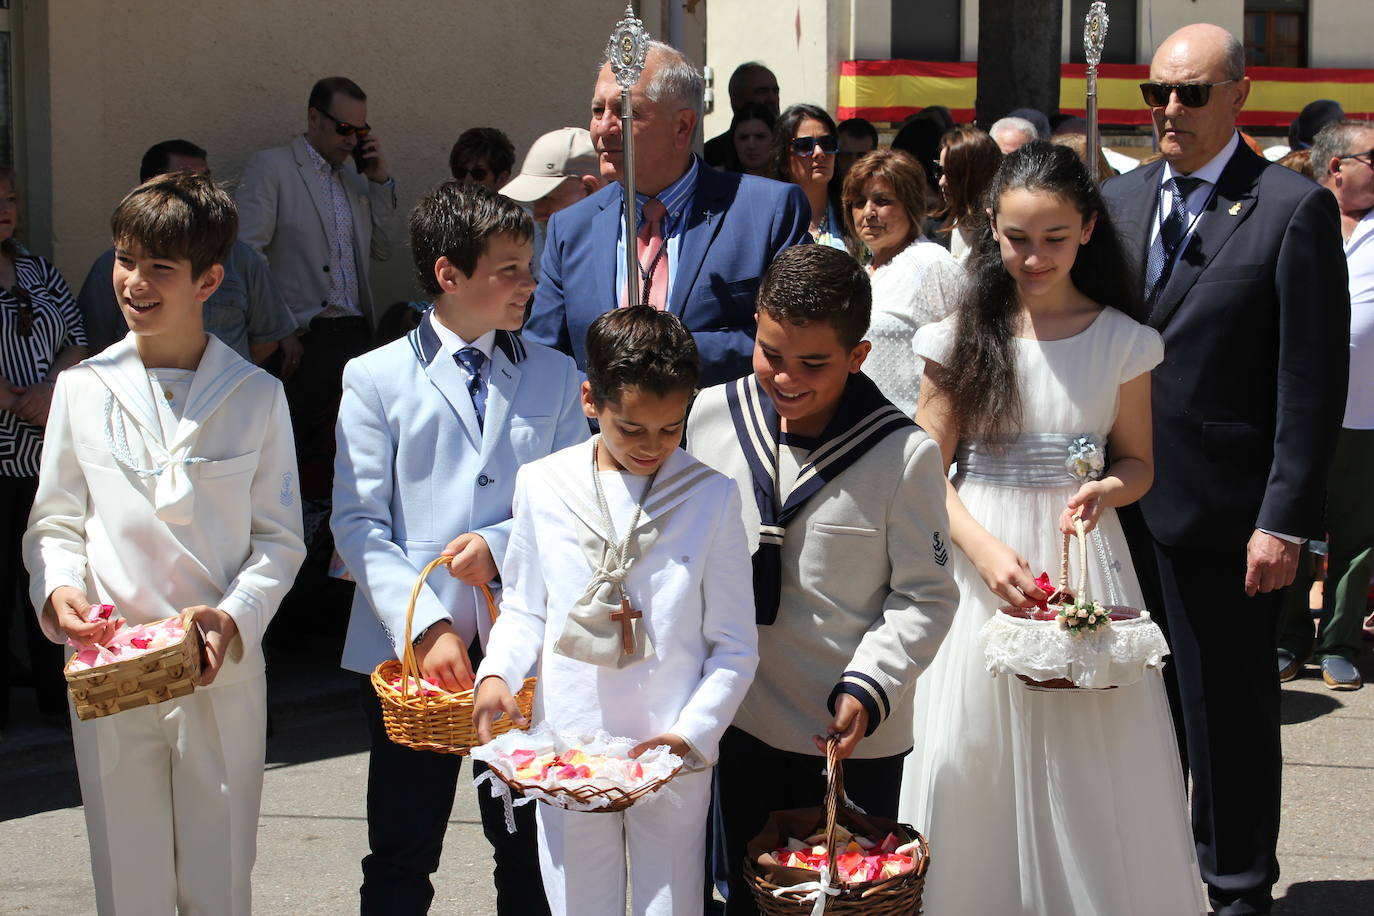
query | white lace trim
(1111,656)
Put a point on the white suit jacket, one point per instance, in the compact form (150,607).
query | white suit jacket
(414,471)
(694,586)
(283,215)
(219,525)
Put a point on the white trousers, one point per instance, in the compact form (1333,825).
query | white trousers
(582,854)
(172,795)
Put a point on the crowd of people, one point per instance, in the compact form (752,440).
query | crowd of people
(848,388)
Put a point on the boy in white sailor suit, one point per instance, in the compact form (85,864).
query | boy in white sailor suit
(432,429)
(168,482)
(844,504)
(628,518)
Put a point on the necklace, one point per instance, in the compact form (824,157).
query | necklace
(619,550)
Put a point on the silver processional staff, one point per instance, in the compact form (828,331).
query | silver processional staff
(626,53)
(1094,36)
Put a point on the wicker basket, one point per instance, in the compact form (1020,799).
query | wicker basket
(897,896)
(434,723)
(143,680)
(583,797)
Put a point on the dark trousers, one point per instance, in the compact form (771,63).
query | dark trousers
(409,800)
(1350,527)
(755,779)
(313,393)
(1224,694)
(45,657)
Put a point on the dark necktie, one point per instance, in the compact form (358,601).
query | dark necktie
(471,360)
(1172,229)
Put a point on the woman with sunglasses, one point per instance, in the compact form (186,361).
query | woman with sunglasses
(969,158)
(40,335)
(804,145)
(915,281)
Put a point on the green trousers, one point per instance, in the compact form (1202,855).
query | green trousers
(1350,535)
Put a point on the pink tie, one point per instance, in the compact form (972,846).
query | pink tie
(653,264)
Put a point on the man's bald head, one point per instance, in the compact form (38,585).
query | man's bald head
(1199,54)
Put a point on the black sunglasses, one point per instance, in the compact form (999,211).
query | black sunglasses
(1190,95)
(344,129)
(25,301)
(937,169)
(478,174)
(1367,157)
(805,146)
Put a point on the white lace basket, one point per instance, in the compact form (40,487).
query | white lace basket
(1044,655)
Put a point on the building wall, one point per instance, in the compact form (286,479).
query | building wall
(116,76)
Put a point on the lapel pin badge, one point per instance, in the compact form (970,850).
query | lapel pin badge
(1235,209)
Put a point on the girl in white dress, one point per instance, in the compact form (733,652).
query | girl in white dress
(1058,801)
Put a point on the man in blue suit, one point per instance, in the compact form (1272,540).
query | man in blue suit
(705,237)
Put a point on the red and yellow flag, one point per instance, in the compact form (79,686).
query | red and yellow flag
(891,90)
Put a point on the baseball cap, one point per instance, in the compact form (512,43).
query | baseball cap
(557,155)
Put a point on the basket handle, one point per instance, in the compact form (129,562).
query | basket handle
(1081,594)
(834,792)
(410,667)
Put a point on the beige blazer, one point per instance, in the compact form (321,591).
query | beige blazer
(283,215)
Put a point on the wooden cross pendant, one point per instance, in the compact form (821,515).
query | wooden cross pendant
(626,615)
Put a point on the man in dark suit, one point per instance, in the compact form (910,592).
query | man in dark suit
(1245,280)
(704,237)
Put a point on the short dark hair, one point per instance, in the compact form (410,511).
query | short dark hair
(179,216)
(323,92)
(640,347)
(485,143)
(808,283)
(457,221)
(159,154)
(859,127)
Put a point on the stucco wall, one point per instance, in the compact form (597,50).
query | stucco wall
(234,78)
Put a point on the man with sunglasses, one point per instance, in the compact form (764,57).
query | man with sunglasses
(1343,158)
(320,209)
(704,240)
(1245,280)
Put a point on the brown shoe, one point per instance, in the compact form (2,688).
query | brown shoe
(1290,666)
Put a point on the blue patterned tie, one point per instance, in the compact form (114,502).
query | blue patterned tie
(472,360)
(1171,231)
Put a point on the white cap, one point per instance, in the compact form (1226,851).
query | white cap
(561,154)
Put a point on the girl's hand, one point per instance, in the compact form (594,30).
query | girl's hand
(492,701)
(67,607)
(220,636)
(1007,574)
(675,743)
(1085,504)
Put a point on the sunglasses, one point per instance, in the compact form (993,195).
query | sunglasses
(805,146)
(1367,157)
(344,129)
(478,174)
(25,301)
(937,169)
(1190,95)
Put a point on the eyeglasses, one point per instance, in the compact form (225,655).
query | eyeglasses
(478,174)
(1367,157)
(805,146)
(344,129)
(937,169)
(1190,95)
(25,301)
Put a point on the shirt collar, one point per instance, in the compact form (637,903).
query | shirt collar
(319,162)
(451,343)
(1210,172)
(674,197)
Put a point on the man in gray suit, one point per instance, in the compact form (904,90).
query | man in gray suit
(319,209)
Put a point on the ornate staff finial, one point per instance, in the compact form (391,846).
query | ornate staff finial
(1094,37)
(627,49)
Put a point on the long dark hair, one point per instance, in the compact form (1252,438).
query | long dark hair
(980,377)
(750,111)
(779,161)
(971,162)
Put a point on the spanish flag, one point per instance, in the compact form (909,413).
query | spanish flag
(892,90)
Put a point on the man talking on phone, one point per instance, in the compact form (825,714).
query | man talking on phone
(319,210)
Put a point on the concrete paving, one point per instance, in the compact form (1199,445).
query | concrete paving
(313,826)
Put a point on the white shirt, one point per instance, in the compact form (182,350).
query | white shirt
(1197,200)
(1359,257)
(451,343)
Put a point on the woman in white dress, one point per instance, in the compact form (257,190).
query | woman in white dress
(1063,802)
(915,281)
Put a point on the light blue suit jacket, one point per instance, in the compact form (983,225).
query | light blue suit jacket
(414,471)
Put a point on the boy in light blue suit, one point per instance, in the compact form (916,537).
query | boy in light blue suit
(431,431)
